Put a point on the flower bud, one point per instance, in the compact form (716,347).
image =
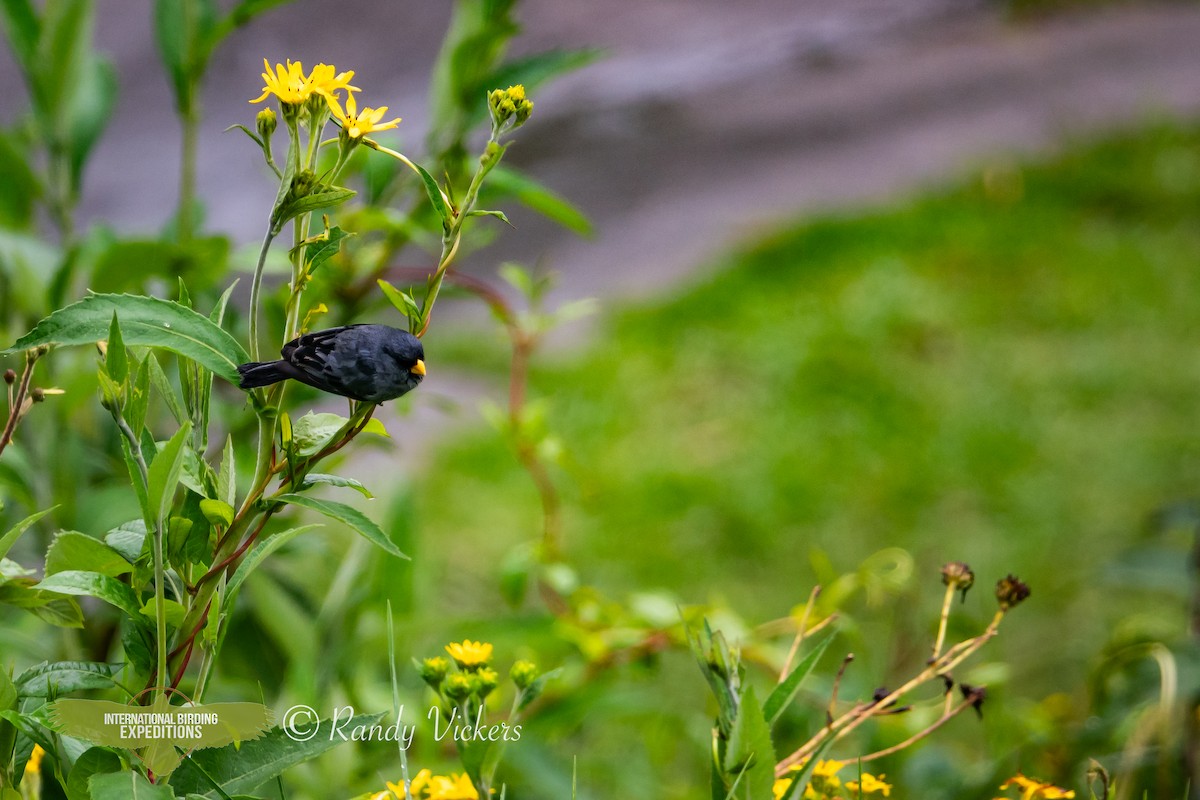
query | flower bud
(485,680)
(433,671)
(266,123)
(457,687)
(1010,591)
(523,674)
(10,376)
(509,104)
(38,394)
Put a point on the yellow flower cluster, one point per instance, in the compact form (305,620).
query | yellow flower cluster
(824,783)
(1033,789)
(427,786)
(294,88)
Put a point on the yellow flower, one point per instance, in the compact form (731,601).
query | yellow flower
(870,785)
(452,787)
(325,80)
(358,125)
(468,654)
(1033,789)
(781,786)
(286,83)
(387,794)
(827,769)
(34,765)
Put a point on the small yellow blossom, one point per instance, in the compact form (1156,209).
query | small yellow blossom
(34,765)
(358,125)
(827,769)
(325,80)
(1033,789)
(452,787)
(287,83)
(470,655)
(870,785)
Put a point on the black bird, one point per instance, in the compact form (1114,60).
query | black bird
(372,363)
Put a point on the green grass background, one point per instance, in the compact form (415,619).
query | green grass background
(1004,372)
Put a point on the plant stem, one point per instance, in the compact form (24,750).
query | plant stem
(945,618)
(256,291)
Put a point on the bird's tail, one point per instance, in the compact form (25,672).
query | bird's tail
(261,373)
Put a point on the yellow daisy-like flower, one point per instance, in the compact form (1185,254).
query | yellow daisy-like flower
(870,785)
(325,80)
(1033,789)
(287,83)
(781,785)
(358,125)
(452,787)
(34,765)
(470,655)
(827,769)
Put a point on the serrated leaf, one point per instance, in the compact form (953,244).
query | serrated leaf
(781,696)
(240,770)
(259,552)
(93,584)
(144,321)
(72,550)
(56,678)
(314,478)
(351,516)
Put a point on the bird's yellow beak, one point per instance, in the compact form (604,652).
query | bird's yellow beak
(418,368)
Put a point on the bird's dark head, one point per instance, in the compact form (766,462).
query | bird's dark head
(409,353)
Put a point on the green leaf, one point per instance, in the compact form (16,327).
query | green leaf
(173,610)
(20,188)
(312,432)
(144,321)
(217,512)
(76,551)
(435,195)
(14,533)
(314,478)
(162,385)
(128,539)
(164,475)
(497,214)
(324,247)
(227,477)
(540,199)
(750,751)
(91,106)
(259,552)
(94,761)
(403,301)
(49,679)
(23,29)
(781,696)
(171,34)
(93,584)
(242,769)
(127,786)
(308,203)
(350,516)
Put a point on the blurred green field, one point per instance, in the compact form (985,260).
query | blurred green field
(1003,372)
